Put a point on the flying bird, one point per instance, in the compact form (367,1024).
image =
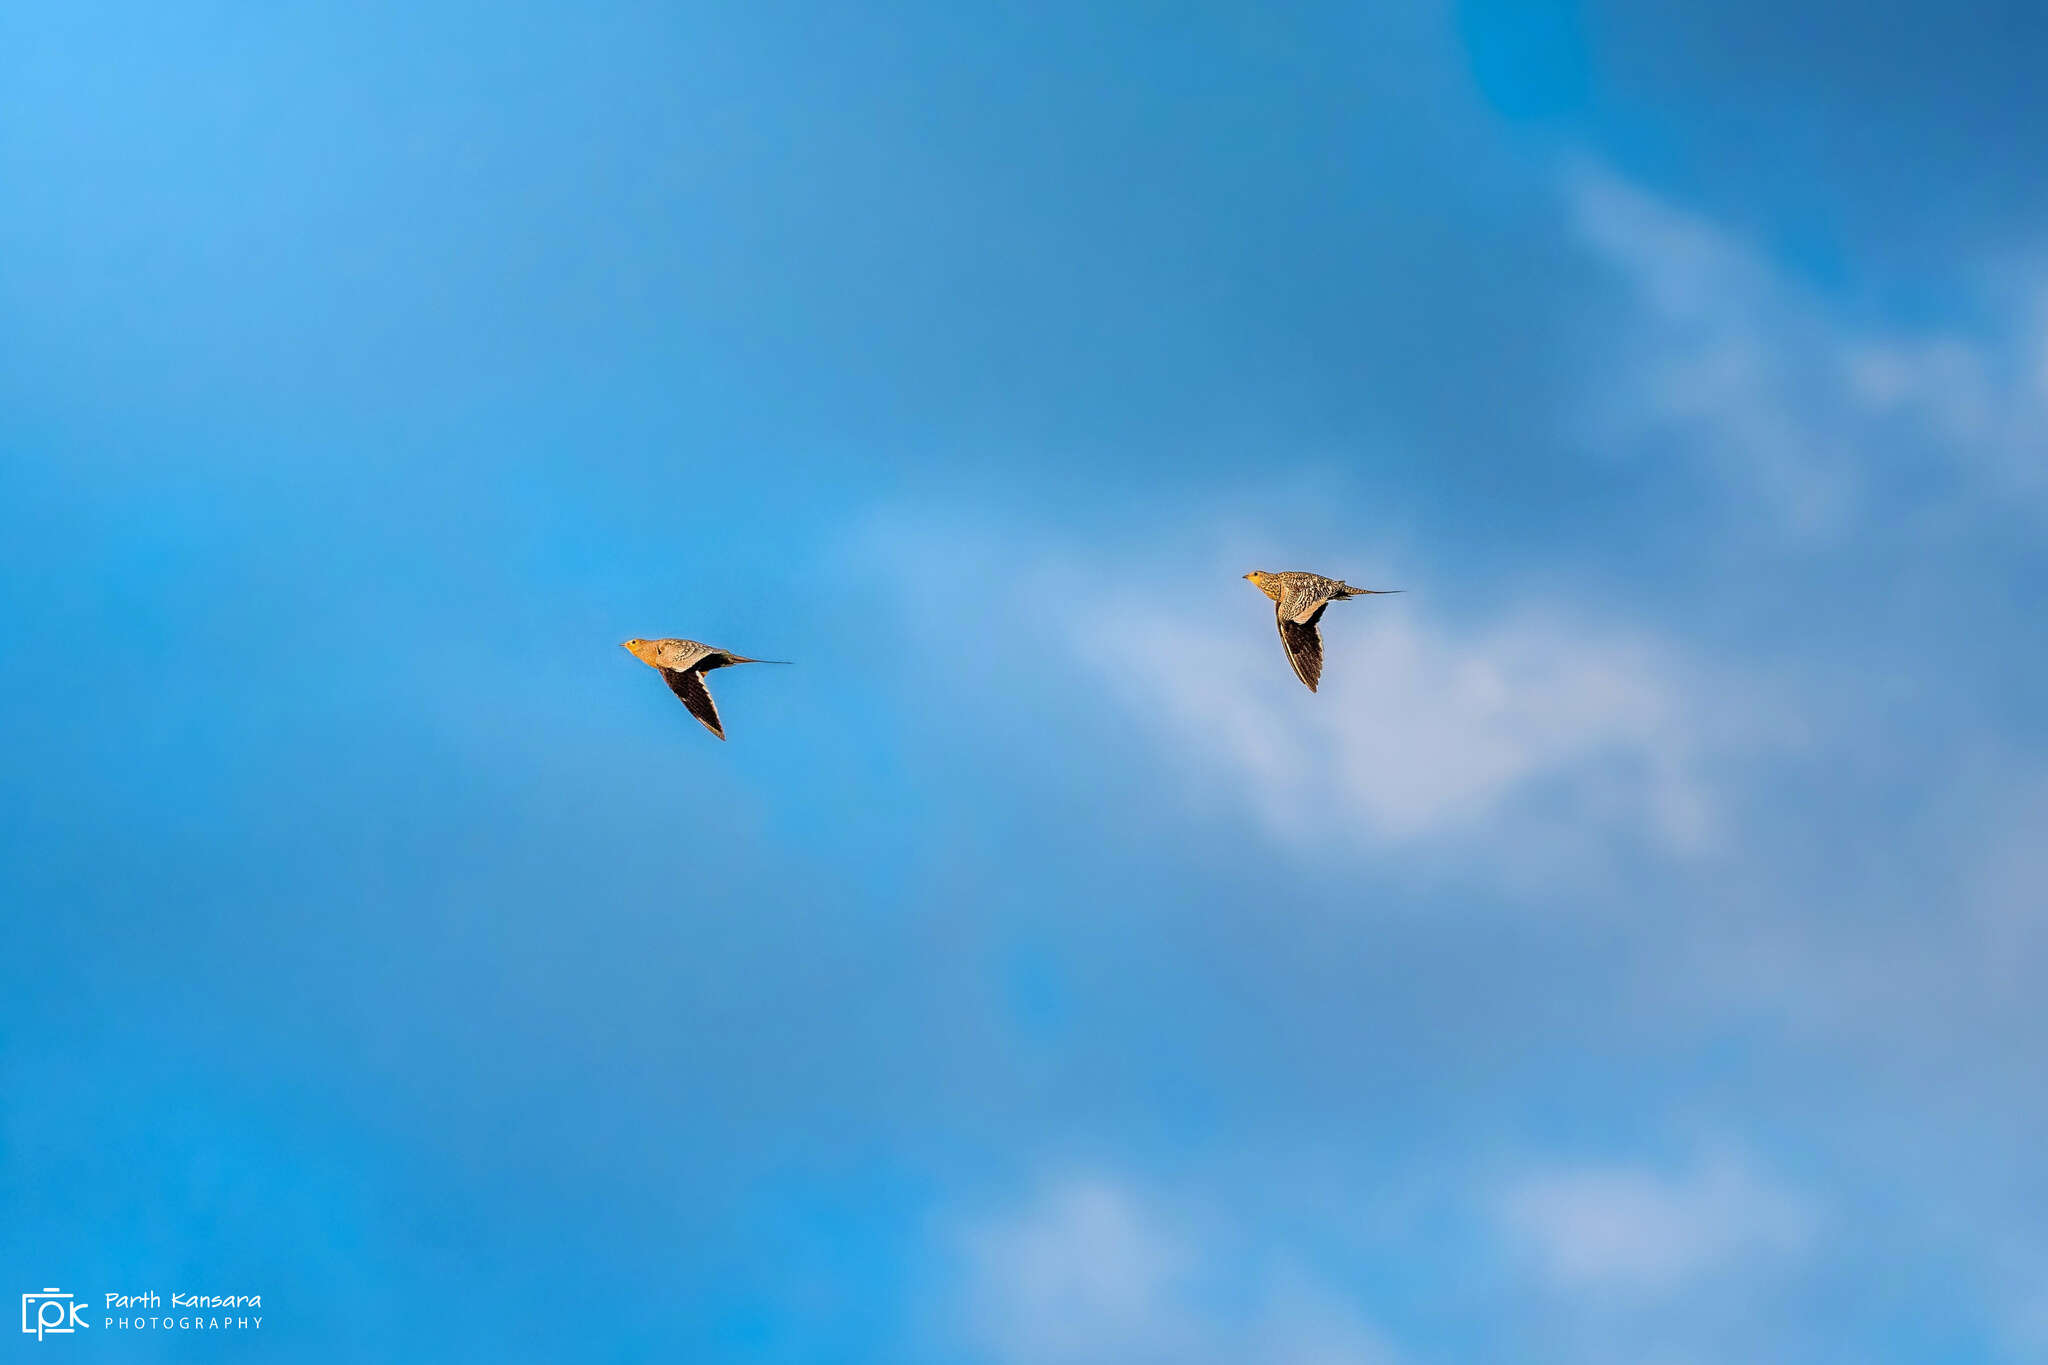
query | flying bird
(1299,599)
(683,664)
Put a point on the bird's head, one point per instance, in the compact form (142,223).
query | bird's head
(1259,578)
(640,649)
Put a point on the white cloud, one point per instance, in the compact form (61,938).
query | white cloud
(2008,889)
(1423,729)
(1083,1274)
(1988,408)
(1090,1271)
(1605,1229)
(1541,731)
(1797,407)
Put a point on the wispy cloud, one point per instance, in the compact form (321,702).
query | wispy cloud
(1529,727)
(1424,728)
(1732,362)
(2008,887)
(1090,1270)
(1602,1230)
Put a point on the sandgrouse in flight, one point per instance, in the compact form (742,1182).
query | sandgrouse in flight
(683,664)
(1299,599)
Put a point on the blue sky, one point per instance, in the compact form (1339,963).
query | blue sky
(1629,955)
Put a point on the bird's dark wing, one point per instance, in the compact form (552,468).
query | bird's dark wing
(1304,646)
(689,685)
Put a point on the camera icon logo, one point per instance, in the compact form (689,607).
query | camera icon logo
(53,1312)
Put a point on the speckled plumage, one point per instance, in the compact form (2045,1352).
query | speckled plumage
(1298,602)
(683,664)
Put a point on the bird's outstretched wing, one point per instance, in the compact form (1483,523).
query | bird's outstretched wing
(1304,645)
(1302,600)
(689,685)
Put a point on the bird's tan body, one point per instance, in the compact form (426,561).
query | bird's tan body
(1298,601)
(678,654)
